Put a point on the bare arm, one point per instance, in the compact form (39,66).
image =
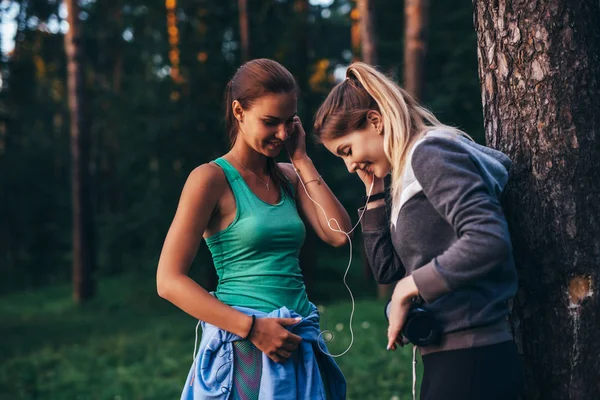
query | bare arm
(320,192)
(195,208)
(317,189)
(199,198)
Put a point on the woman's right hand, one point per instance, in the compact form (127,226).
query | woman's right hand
(369,179)
(270,336)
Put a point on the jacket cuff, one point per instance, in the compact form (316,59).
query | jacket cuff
(374,219)
(430,283)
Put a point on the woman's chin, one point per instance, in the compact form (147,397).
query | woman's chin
(272,151)
(381,173)
(377,173)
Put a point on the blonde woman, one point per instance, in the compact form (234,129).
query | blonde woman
(445,239)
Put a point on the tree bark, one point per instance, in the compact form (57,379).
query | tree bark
(539,71)
(415,47)
(83,284)
(368,39)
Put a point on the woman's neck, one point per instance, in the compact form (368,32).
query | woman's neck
(249,158)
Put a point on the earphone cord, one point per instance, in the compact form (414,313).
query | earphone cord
(339,229)
(414,372)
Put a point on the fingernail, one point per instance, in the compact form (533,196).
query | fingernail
(298,318)
(388,347)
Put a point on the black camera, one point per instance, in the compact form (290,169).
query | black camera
(420,328)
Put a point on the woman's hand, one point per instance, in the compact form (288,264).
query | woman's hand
(270,336)
(404,291)
(296,142)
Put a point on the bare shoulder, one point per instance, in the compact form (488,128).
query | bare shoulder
(206,179)
(289,171)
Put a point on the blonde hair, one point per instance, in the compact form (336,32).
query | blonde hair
(404,120)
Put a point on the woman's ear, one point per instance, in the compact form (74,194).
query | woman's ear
(238,111)
(375,119)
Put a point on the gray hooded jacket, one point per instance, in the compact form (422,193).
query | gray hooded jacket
(452,237)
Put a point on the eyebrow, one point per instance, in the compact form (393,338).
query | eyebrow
(277,118)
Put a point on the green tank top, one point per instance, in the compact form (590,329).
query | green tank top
(256,256)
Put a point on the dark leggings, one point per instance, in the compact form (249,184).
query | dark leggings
(492,372)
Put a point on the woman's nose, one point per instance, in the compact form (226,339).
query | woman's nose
(282,133)
(352,166)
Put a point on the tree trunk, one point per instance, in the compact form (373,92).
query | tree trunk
(244,30)
(540,81)
(83,284)
(355,33)
(301,64)
(415,47)
(367,35)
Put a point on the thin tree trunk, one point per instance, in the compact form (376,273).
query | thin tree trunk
(117,13)
(415,48)
(540,81)
(301,66)
(244,29)
(355,33)
(368,38)
(115,194)
(83,285)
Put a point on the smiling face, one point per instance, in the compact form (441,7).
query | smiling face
(267,122)
(361,150)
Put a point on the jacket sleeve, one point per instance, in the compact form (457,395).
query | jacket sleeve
(382,257)
(453,184)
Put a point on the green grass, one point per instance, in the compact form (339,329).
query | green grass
(129,344)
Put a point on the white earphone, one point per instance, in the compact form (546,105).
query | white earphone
(329,220)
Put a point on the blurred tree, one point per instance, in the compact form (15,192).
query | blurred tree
(83,241)
(300,66)
(244,30)
(355,26)
(415,48)
(540,84)
(368,39)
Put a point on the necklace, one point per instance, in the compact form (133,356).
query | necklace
(257,177)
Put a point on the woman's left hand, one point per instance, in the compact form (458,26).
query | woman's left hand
(404,291)
(296,143)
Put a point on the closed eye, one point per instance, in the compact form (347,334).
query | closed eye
(344,151)
(270,122)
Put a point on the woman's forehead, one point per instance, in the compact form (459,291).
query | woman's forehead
(278,105)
